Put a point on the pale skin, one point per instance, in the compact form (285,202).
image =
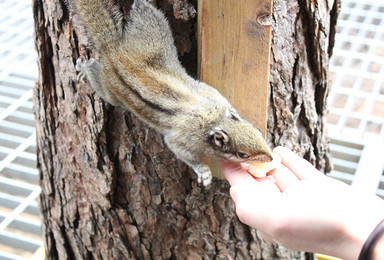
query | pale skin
(302,209)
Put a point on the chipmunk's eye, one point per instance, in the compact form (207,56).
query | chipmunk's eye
(242,155)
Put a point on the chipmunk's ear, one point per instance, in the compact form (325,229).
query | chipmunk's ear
(219,137)
(232,113)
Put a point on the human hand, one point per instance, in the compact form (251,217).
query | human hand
(302,209)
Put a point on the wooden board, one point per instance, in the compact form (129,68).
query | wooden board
(234,51)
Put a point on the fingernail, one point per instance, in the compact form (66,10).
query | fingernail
(277,148)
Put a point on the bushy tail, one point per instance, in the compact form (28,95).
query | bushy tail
(98,21)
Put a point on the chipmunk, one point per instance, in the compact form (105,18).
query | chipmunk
(139,70)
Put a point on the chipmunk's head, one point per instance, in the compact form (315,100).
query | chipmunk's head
(235,139)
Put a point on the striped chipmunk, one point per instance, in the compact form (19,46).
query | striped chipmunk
(139,70)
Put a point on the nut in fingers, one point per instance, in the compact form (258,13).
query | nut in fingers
(261,169)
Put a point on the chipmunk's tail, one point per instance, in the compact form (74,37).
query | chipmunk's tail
(102,24)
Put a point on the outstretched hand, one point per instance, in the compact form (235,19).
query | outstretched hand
(302,209)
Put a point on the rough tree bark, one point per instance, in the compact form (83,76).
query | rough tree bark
(110,187)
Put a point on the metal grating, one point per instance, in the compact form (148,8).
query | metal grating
(359,164)
(20,233)
(356,101)
(357,67)
(346,157)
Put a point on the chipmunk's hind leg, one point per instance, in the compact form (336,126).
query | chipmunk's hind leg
(118,18)
(91,71)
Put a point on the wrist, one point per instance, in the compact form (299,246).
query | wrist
(353,218)
(358,231)
(372,247)
(378,251)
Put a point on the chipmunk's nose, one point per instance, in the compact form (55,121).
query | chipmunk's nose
(265,157)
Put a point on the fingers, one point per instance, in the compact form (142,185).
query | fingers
(284,178)
(269,185)
(235,174)
(267,237)
(299,166)
(238,177)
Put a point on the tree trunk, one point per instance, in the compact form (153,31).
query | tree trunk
(110,187)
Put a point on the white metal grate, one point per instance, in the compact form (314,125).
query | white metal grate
(357,96)
(359,164)
(20,233)
(356,100)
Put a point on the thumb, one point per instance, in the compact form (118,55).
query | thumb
(233,193)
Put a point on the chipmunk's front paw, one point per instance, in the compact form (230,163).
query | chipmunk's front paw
(82,76)
(83,66)
(204,174)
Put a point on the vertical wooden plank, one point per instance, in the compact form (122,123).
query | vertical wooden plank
(234,46)
(234,51)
